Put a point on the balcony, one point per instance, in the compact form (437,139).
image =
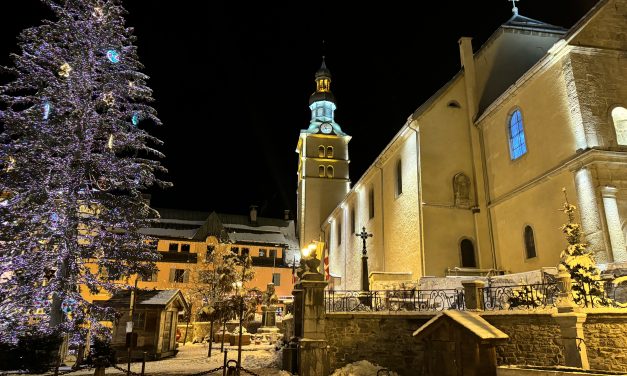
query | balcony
(182,257)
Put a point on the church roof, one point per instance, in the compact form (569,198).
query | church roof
(525,23)
(237,229)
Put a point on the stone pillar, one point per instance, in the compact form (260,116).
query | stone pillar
(313,359)
(298,310)
(571,328)
(313,308)
(473,297)
(589,212)
(268,320)
(612,218)
(571,322)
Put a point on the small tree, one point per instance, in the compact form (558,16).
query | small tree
(587,286)
(216,281)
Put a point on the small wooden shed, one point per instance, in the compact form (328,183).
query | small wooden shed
(459,343)
(155,319)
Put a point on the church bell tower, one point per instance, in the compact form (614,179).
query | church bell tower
(322,149)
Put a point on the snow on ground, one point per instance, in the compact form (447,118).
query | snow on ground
(192,358)
(360,368)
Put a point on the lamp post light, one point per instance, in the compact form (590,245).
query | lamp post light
(310,261)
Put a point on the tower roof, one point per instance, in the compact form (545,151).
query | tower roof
(323,71)
(323,85)
(525,23)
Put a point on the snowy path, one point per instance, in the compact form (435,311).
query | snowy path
(192,358)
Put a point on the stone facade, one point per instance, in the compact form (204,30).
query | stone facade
(534,338)
(606,338)
(379,338)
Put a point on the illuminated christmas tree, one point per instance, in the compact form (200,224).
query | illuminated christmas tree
(74,160)
(587,286)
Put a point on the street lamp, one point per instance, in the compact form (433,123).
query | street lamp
(310,260)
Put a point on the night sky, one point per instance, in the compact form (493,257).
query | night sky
(232,81)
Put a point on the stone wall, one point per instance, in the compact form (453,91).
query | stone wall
(606,339)
(534,338)
(384,339)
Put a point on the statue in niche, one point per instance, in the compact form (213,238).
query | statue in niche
(461,187)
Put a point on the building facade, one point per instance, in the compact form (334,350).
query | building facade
(187,239)
(473,180)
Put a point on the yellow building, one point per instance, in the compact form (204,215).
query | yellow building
(186,238)
(474,178)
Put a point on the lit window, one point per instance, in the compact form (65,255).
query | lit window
(530,244)
(179,275)
(399,178)
(468,254)
(321,151)
(619,116)
(321,171)
(330,172)
(262,252)
(517,144)
(329,151)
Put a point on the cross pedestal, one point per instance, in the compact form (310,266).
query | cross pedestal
(364,260)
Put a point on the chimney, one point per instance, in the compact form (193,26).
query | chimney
(286,214)
(253,214)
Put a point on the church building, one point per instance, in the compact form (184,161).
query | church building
(474,179)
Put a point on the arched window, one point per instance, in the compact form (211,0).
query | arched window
(619,116)
(530,243)
(399,178)
(329,171)
(517,143)
(329,151)
(468,254)
(321,171)
(320,151)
